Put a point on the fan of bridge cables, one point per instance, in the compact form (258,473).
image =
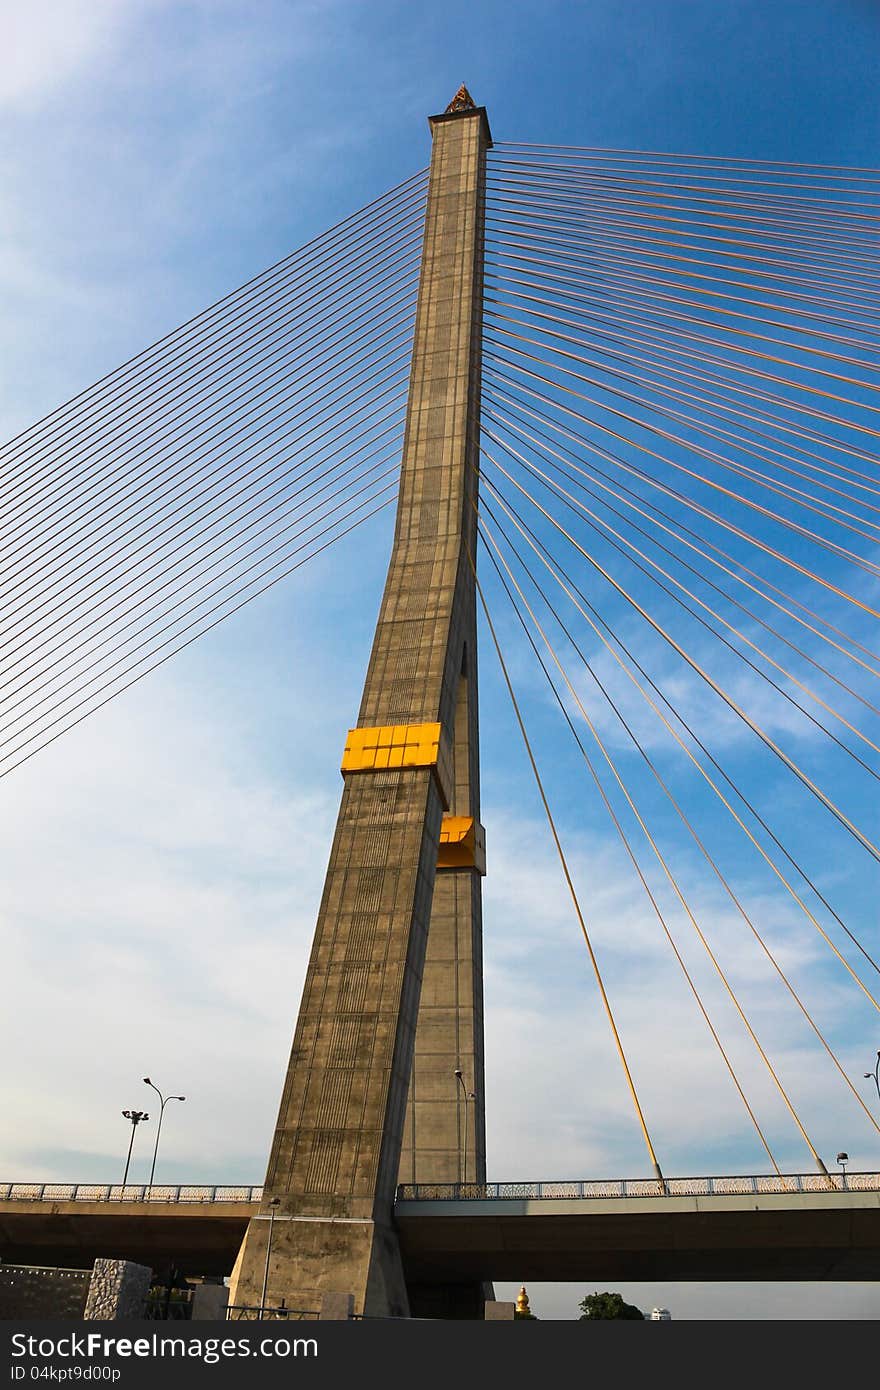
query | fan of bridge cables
(679,514)
(155,504)
(679,510)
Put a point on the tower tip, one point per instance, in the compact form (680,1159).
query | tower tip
(462,101)
(463,104)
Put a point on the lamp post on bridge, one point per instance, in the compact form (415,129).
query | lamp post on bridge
(875,1074)
(275,1202)
(164,1101)
(468,1096)
(134,1117)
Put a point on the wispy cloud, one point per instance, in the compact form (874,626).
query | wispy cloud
(149,162)
(158,925)
(48,47)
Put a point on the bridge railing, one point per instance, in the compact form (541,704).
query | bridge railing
(479,1192)
(131,1192)
(640,1187)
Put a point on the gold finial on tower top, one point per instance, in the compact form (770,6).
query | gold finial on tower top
(462,101)
(463,104)
(522,1302)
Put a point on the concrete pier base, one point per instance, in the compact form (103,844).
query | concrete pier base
(311,1258)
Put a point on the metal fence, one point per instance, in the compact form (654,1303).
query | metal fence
(115,1192)
(458,1192)
(640,1187)
(242,1312)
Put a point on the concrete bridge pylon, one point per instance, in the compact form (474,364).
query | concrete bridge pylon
(392,1006)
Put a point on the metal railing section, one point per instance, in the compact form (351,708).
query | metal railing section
(115,1192)
(458,1192)
(640,1187)
(241,1312)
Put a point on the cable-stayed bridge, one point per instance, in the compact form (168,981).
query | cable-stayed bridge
(642,388)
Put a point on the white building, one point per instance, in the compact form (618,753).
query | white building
(659,1315)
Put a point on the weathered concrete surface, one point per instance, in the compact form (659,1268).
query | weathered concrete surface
(336,1153)
(336,1307)
(209,1303)
(494,1311)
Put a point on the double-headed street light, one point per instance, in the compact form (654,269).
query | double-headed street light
(164,1101)
(134,1118)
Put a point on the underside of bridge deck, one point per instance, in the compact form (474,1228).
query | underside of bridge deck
(195,1238)
(823,1236)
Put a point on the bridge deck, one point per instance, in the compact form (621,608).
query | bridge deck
(199,1237)
(816,1235)
(724,1228)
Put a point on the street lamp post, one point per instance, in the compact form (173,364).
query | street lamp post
(875,1074)
(468,1096)
(272,1206)
(843,1160)
(460,1079)
(134,1117)
(164,1101)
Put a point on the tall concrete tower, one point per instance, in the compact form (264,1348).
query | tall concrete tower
(388,1048)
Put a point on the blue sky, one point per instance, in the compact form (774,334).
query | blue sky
(163,863)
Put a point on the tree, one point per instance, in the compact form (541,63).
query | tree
(608,1305)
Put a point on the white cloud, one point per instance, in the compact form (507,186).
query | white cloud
(149,162)
(158,910)
(555,1086)
(49,43)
